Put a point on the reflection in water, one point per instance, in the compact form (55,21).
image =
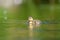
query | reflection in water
(17,32)
(30,34)
(30,30)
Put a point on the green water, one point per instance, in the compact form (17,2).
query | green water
(20,31)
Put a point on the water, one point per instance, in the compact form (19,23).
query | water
(21,31)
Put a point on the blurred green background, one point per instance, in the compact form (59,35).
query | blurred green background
(14,28)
